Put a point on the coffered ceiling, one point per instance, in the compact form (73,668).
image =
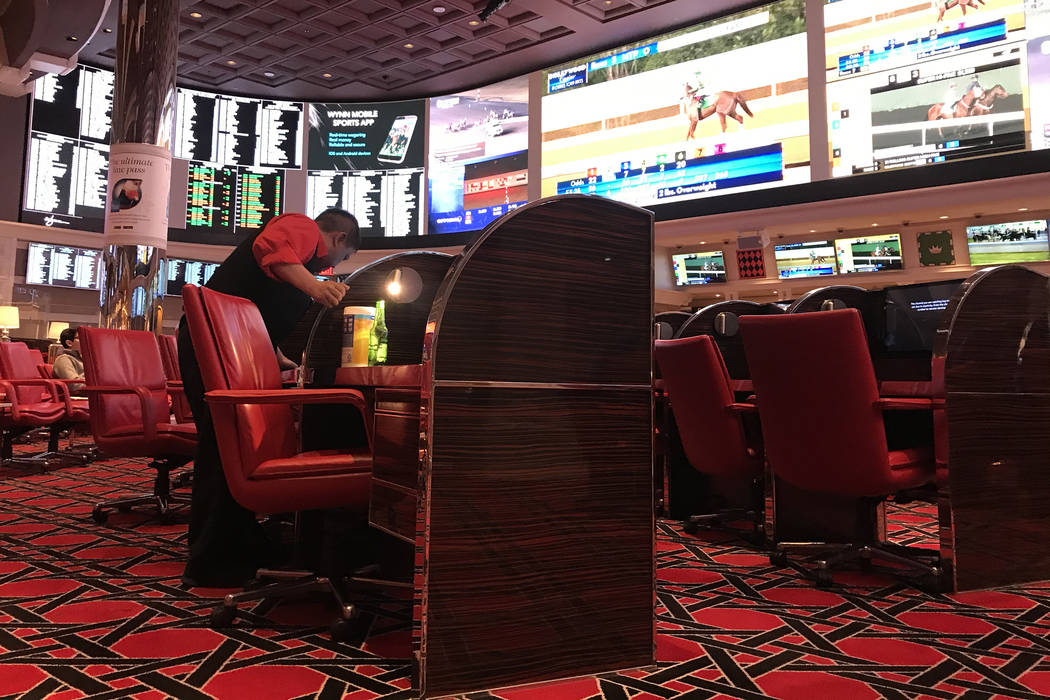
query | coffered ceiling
(385,49)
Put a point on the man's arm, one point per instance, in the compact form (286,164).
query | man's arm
(328,293)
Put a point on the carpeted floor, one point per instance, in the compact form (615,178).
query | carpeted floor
(96,611)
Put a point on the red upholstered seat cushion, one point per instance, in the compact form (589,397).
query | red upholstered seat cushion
(45,411)
(315,463)
(186,430)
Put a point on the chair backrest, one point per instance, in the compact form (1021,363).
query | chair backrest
(17,361)
(697,384)
(817,393)
(234,352)
(46,371)
(122,358)
(169,354)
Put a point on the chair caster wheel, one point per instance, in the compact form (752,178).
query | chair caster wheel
(222,616)
(690,528)
(343,629)
(778,559)
(98,514)
(932,583)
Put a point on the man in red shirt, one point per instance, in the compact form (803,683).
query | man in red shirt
(276,270)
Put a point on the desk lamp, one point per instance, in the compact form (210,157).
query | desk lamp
(55,328)
(8,320)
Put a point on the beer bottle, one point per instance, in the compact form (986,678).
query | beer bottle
(379,329)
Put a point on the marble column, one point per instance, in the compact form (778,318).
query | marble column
(140,165)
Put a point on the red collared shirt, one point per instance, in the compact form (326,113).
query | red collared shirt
(288,239)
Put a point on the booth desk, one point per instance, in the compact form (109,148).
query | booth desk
(513,443)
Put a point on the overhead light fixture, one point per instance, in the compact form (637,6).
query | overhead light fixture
(1022,209)
(473,23)
(231,62)
(196,15)
(72,38)
(439,9)
(813,230)
(493,6)
(326,75)
(269,74)
(107,30)
(942,217)
(410,46)
(874,225)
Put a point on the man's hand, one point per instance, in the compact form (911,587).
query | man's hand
(328,293)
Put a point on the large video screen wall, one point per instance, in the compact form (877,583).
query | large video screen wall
(368,159)
(479,156)
(715,108)
(721,106)
(915,84)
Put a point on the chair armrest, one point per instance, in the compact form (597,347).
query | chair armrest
(904,404)
(277,396)
(149,421)
(739,408)
(7,386)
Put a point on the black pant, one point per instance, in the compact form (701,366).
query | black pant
(226,542)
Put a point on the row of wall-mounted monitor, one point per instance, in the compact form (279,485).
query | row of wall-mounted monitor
(988,244)
(719,107)
(56,265)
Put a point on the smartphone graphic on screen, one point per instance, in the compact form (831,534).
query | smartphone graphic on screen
(396,145)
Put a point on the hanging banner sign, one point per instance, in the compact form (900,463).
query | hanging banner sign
(137,195)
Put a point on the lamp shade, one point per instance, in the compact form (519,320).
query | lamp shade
(8,317)
(55,328)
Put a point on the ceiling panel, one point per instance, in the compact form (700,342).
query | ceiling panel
(387,49)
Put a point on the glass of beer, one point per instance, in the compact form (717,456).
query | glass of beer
(357,329)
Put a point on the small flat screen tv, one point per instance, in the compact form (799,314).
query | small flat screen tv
(914,313)
(182,272)
(806,259)
(1016,241)
(869,253)
(698,268)
(63,266)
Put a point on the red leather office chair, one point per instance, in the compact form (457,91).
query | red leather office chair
(129,411)
(257,437)
(169,353)
(822,421)
(709,420)
(35,403)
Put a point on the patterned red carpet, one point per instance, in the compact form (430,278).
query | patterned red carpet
(96,611)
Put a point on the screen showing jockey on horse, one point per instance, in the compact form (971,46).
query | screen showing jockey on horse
(915,84)
(717,107)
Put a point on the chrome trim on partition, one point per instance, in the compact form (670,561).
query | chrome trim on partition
(461,383)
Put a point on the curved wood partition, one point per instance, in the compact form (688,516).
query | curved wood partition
(535,527)
(706,322)
(992,362)
(406,322)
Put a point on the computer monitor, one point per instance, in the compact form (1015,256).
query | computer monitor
(914,312)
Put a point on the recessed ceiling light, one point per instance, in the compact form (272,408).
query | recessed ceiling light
(409,46)
(473,23)
(943,217)
(326,75)
(813,230)
(703,242)
(874,225)
(107,30)
(608,2)
(439,9)
(1022,209)
(231,62)
(196,15)
(71,38)
(269,74)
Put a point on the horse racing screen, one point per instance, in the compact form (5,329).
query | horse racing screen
(698,268)
(869,253)
(716,107)
(912,84)
(806,259)
(1015,241)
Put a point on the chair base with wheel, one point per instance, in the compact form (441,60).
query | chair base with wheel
(824,558)
(161,497)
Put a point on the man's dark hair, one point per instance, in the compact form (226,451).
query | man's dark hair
(68,334)
(340,220)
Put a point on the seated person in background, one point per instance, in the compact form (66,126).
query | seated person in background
(69,364)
